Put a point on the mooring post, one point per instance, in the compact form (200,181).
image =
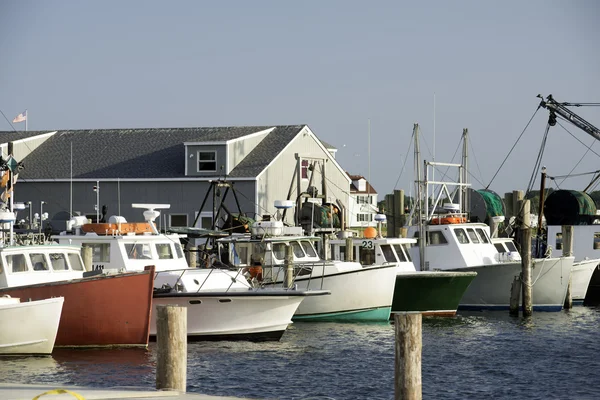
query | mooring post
(567,251)
(171,343)
(515,296)
(289,266)
(87,255)
(349,249)
(524,208)
(407,365)
(192,253)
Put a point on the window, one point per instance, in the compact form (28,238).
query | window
(364,217)
(461,235)
(558,241)
(366,255)
(510,246)
(304,169)
(483,235)
(164,251)
(279,251)
(400,253)
(178,250)
(308,248)
(75,260)
(437,237)
(207,161)
(596,240)
(205,220)
(39,262)
(178,220)
(500,247)
(364,199)
(100,251)
(59,262)
(407,252)
(16,263)
(137,251)
(298,252)
(472,235)
(388,253)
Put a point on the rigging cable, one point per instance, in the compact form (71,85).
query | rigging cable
(513,147)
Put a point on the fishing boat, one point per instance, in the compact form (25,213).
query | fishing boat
(275,255)
(28,327)
(222,304)
(429,292)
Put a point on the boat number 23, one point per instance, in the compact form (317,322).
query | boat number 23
(367,244)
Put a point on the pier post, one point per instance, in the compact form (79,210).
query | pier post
(87,255)
(524,207)
(349,249)
(289,266)
(515,296)
(192,253)
(567,251)
(407,362)
(171,343)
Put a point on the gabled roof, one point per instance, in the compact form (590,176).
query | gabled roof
(354,188)
(140,153)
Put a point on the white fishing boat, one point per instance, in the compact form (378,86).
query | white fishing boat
(286,257)
(29,327)
(221,303)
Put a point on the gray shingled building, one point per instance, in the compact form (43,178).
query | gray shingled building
(172,166)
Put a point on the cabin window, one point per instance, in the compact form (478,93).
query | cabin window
(164,251)
(461,236)
(308,248)
(100,251)
(407,251)
(388,253)
(366,255)
(59,262)
(483,235)
(558,241)
(75,261)
(596,240)
(178,250)
(240,255)
(304,169)
(279,251)
(298,252)
(472,235)
(510,246)
(1,266)
(207,161)
(500,247)
(436,237)
(400,253)
(39,262)
(138,251)
(16,263)
(178,220)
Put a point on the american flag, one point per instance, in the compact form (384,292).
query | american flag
(21,117)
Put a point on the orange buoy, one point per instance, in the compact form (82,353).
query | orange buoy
(370,232)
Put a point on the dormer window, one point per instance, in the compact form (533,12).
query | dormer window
(207,161)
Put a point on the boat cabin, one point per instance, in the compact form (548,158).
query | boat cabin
(376,251)
(29,265)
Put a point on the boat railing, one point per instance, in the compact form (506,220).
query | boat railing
(275,275)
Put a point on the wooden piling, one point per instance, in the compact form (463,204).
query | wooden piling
(567,251)
(515,296)
(87,255)
(289,266)
(349,249)
(527,285)
(407,365)
(192,254)
(171,343)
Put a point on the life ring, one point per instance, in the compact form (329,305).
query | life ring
(448,220)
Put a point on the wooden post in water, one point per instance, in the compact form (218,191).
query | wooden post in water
(567,251)
(171,344)
(515,296)
(87,255)
(349,249)
(407,362)
(192,256)
(289,266)
(524,208)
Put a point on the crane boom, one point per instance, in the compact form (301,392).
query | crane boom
(558,108)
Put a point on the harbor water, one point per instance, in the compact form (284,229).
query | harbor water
(475,355)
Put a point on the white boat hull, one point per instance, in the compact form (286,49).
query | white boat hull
(29,327)
(232,315)
(580,278)
(491,287)
(363,294)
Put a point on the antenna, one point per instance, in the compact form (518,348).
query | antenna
(151,214)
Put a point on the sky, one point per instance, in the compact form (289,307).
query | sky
(360,74)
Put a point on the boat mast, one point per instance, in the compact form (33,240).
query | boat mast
(464,190)
(419,182)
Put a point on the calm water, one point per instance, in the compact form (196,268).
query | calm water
(475,355)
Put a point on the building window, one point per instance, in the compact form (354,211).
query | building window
(304,169)
(178,220)
(364,217)
(205,220)
(364,199)
(207,161)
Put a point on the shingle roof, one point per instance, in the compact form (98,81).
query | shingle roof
(141,153)
(353,189)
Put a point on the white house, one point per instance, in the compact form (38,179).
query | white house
(363,203)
